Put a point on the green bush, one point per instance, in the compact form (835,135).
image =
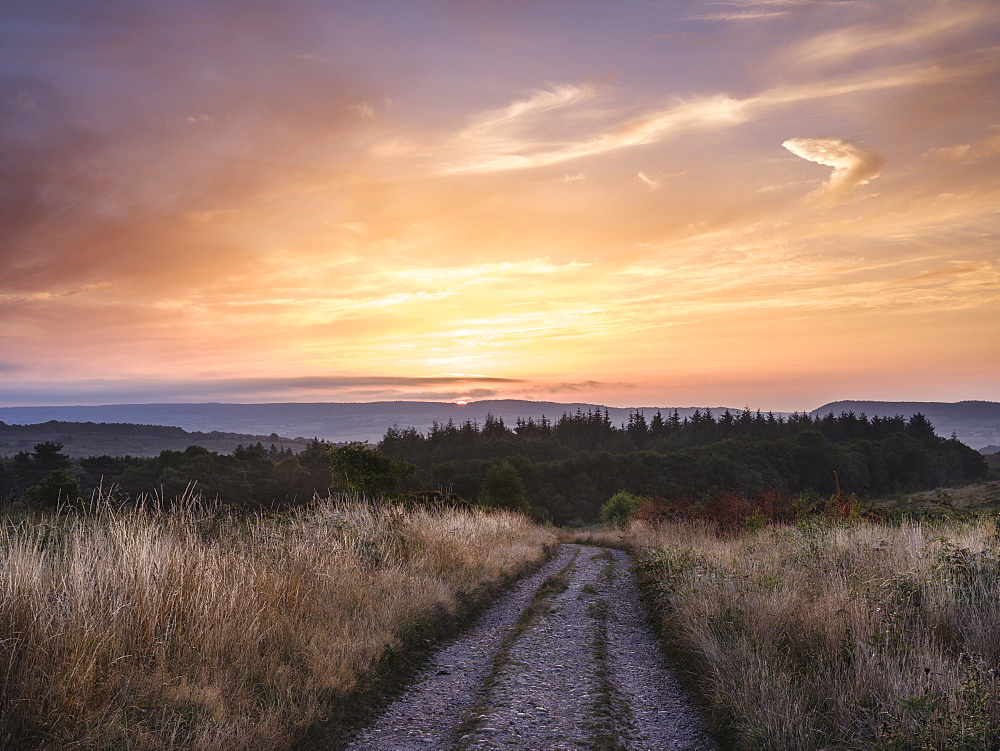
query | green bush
(620,508)
(366,470)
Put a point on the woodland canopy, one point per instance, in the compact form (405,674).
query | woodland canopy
(563,470)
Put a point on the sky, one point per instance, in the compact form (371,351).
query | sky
(764,203)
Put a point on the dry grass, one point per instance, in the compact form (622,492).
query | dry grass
(604,535)
(133,629)
(826,636)
(982,496)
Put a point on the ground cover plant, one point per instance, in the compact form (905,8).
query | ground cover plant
(199,629)
(833,633)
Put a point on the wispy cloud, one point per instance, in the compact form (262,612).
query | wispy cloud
(535,149)
(647,128)
(853,164)
(338,382)
(746,15)
(310,388)
(363,110)
(648,181)
(554,98)
(482,273)
(556,388)
(984,147)
(981,271)
(879,79)
(919,27)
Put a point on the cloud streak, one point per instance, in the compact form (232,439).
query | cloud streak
(647,180)
(310,389)
(555,98)
(485,155)
(920,27)
(747,15)
(963,152)
(637,131)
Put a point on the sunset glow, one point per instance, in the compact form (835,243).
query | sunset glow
(774,203)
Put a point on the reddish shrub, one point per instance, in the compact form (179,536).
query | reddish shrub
(734,509)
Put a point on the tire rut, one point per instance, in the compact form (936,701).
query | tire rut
(565,660)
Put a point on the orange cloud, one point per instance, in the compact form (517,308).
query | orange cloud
(853,164)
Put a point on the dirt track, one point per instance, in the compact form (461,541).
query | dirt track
(563,661)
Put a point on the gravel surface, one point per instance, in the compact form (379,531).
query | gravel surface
(572,665)
(660,715)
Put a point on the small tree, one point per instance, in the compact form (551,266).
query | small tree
(58,486)
(315,461)
(31,469)
(366,470)
(48,456)
(503,488)
(620,508)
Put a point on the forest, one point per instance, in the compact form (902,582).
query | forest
(571,466)
(561,470)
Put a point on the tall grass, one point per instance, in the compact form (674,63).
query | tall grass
(835,636)
(198,630)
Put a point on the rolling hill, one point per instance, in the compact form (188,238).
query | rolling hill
(365,421)
(122,439)
(976,423)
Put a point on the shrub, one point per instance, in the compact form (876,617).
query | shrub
(620,508)
(365,470)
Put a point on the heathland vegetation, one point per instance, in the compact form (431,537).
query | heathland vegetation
(833,633)
(196,628)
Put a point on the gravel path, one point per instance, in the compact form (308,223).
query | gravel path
(563,661)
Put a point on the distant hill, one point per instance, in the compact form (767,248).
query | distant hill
(977,424)
(126,439)
(365,421)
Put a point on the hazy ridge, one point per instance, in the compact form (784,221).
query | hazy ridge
(333,421)
(81,439)
(976,423)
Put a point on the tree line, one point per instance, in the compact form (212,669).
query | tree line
(253,476)
(560,470)
(570,466)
